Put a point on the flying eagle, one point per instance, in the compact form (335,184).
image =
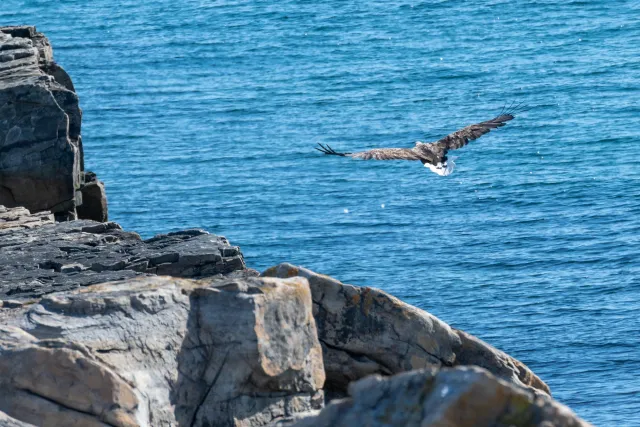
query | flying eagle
(433,155)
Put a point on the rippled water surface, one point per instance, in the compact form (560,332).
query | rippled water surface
(204,114)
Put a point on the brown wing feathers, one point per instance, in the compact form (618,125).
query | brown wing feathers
(375,154)
(435,151)
(462,137)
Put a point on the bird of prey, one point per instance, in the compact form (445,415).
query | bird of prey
(433,155)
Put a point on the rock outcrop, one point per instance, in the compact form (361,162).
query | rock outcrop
(451,397)
(160,351)
(366,331)
(230,348)
(35,261)
(41,156)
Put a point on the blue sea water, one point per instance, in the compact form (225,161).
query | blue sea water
(205,113)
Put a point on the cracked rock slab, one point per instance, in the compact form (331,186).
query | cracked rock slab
(366,331)
(224,352)
(37,260)
(447,397)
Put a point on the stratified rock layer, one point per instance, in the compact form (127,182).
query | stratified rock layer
(17,218)
(160,351)
(366,331)
(37,257)
(41,157)
(458,397)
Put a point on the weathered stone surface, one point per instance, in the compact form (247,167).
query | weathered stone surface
(7,421)
(473,351)
(41,157)
(161,351)
(94,200)
(12,218)
(366,331)
(63,256)
(458,397)
(39,127)
(60,381)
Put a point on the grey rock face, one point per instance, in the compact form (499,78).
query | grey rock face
(366,331)
(63,256)
(473,351)
(40,121)
(94,199)
(457,397)
(160,351)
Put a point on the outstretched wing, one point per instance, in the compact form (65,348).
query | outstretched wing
(375,154)
(462,137)
(434,152)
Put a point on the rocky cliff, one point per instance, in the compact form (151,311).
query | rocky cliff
(231,348)
(99,327)
(41,155)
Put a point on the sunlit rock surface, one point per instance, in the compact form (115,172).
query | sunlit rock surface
(366,331)
(159,351)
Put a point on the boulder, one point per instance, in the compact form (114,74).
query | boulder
(366,331)
(451,397)
(37,257)
(41,156)
(160,351)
